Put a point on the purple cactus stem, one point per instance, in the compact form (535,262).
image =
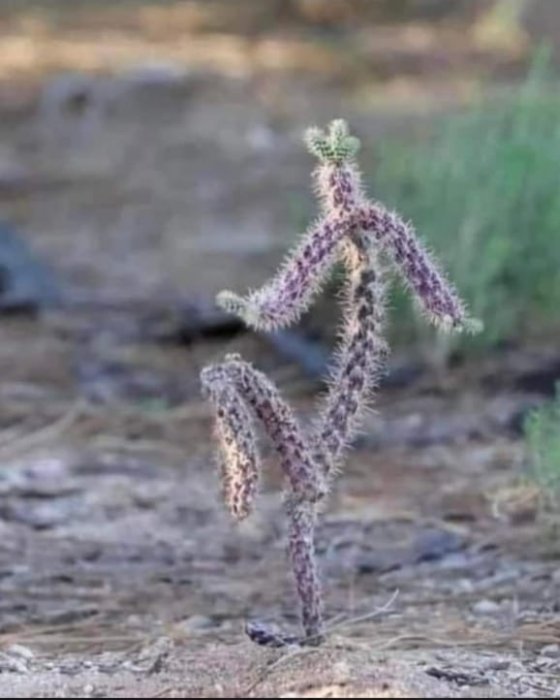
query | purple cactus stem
(286,297)
(278,421)
(361,354)
(238,449)
(338,187)
(435,295)
(302,517)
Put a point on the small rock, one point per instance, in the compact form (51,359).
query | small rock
(551,651)
(155,74)
(20,651)
(26,283)
(13,176)
(261,138)
(12,664)
(88,689)
(485,607)
(196,623)
(497,665)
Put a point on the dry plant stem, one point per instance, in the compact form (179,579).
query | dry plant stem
(359,234)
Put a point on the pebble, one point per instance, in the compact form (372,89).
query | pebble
(485,607)
(20,651)
(497,665)
(12,664)
(196,623)
(551,651)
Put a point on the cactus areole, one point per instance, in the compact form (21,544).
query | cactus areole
(371,242)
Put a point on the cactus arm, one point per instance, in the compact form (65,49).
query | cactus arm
(237,448)
(283,300)
(278,421)
(434,294)
(236,387)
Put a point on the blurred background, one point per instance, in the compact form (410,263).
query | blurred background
(150,156)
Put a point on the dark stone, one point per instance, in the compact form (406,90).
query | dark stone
(431,544)
(540,381)
(26,284)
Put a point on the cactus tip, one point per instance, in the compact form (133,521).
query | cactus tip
(335,146)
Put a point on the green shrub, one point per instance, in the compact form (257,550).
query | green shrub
(542,435)
(484,191)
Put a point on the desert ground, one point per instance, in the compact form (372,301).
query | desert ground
(147,171)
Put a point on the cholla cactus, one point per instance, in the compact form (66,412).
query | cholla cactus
(370,241)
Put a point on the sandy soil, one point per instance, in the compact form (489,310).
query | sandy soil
(120,574)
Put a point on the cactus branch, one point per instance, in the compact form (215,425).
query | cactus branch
(235,387)
(434,294)
(239,459)
(362,350)
(277,419)
(286,297)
